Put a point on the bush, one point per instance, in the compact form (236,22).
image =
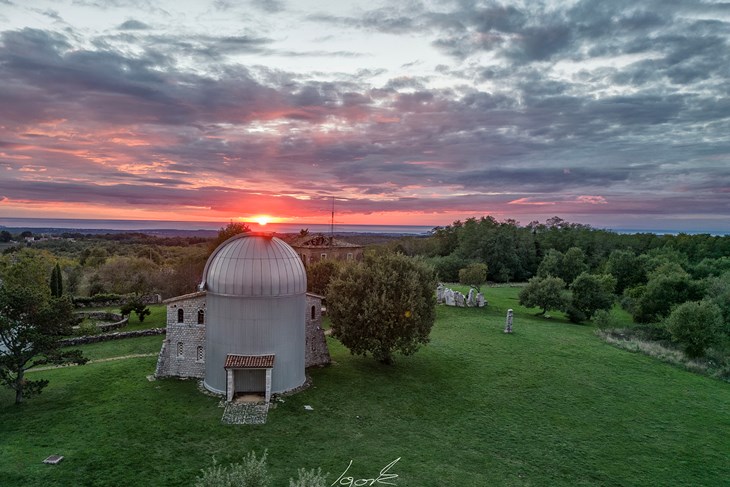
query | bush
(309,478)
(574,314)
(88,327)
(695,325)
(252,472)
(605,320)
(590,293)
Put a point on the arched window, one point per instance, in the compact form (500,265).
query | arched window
(200,355)
(201,316)
(180,315)
(314,312)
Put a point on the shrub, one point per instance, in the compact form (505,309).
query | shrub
(88,327)
(695,325)
(252,472)
(605,320)
(309,478)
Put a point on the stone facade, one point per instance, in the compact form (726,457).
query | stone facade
(317,353)
(183,350)
(316,248)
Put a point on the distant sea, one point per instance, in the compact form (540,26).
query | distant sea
(155,227)
(204,229)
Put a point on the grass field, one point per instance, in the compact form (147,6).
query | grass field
(549,405)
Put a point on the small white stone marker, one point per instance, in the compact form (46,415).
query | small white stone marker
(53,459)
(508,322)
(308,407)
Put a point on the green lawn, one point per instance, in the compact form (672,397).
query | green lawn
(549,405)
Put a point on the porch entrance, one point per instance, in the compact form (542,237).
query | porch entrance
(248,375)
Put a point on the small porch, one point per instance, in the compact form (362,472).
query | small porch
(248,375)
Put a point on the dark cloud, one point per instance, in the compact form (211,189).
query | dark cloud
(269,6)
(597,108)
(133,24)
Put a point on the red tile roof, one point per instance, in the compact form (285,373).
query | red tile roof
(249,361)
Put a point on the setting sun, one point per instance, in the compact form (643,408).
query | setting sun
(262,219)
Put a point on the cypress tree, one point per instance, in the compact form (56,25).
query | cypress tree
(56,282)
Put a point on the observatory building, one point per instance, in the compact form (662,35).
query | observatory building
(252,327)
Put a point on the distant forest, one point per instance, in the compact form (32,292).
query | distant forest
(141,263)
(513,253)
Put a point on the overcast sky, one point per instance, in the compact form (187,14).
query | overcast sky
(608,112)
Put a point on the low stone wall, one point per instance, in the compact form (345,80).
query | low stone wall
(114,320)
(70,342)
(84,302)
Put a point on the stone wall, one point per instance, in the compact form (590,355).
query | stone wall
(114,321)
(70,342)
(184,350)
(190,308)
(317,353)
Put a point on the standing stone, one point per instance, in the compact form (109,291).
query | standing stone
(480,300)
(508,322)
(471,300)
(449,297)
(440,293)
(460,299)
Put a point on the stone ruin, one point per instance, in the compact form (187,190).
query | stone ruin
(449,297)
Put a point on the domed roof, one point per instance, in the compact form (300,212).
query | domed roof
(254,264)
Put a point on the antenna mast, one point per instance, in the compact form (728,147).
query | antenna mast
(332,222)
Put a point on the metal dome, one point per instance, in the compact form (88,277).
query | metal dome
(253,265)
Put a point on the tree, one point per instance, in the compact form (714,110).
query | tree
(320,274)
(5,236)
(573,265)
(230,230)
(546,293)
(383,305)
(447,268)
(31,325)
(696,325)
(474,275)
(590,293)
(135,304)
(628,269)
(56,282)
(124,275)
(717,290)
(550,264)
(668,286)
